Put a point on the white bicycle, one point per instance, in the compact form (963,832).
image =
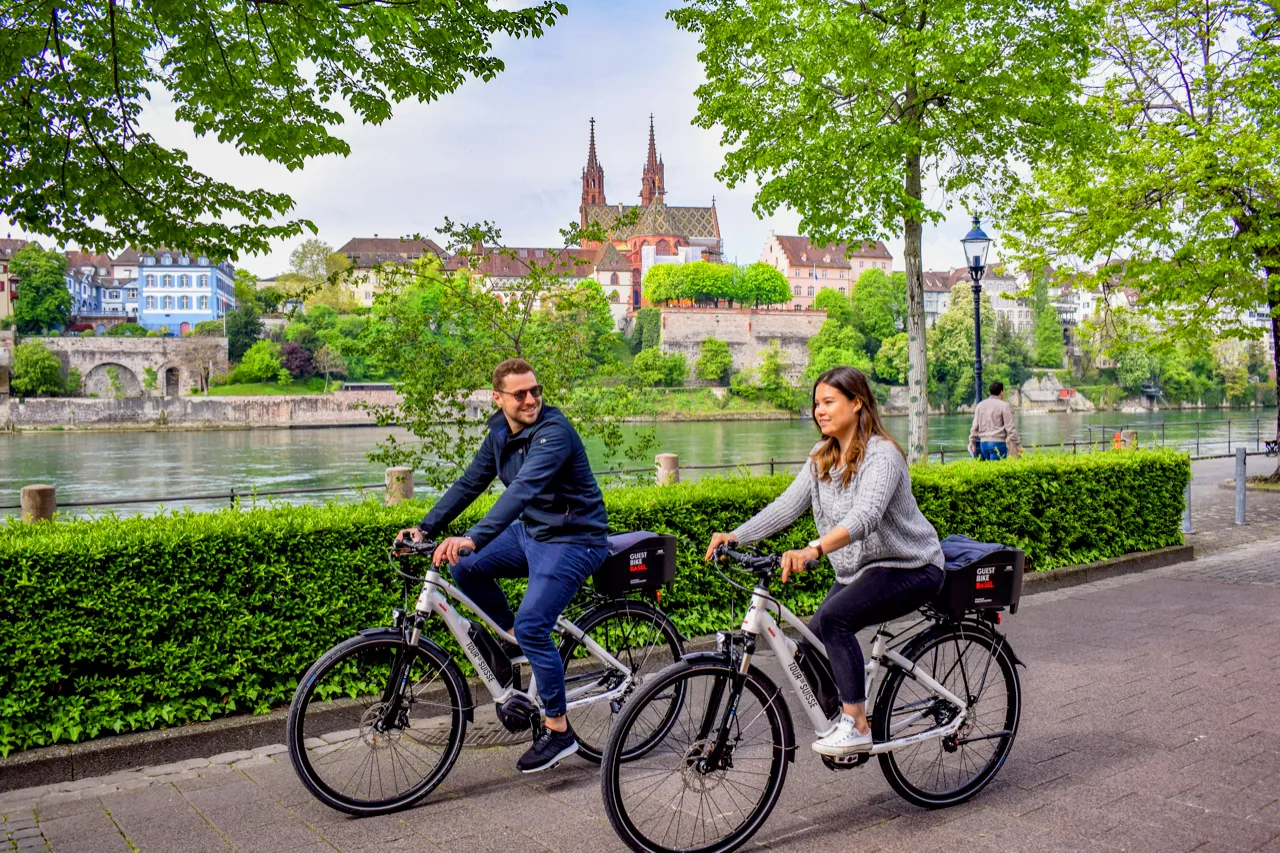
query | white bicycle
(377,722)
(944,718)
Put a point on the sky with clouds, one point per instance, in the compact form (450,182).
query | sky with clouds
(512,150)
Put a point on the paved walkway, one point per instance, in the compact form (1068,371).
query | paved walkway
(1213,508)
(1148,726)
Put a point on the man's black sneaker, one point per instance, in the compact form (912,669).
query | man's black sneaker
(549,749)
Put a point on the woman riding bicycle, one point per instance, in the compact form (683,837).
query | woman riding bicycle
(885,553)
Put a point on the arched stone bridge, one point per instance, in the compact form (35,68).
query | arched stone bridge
(176,361)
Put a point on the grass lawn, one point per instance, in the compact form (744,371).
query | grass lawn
(314,385)
(699,402)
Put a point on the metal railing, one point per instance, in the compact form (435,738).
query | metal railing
(1074,446)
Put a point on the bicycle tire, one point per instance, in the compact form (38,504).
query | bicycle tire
(640,636)
(972,660)
(619,776)
(342,688)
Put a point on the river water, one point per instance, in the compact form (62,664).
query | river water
(100,466)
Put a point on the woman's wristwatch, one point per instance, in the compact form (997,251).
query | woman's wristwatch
(817,543)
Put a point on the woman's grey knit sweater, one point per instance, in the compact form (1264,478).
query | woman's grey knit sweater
(877,508)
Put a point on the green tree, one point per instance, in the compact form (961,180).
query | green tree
(44,302)
(951,347)
(653,367)
(330,363)
(714,360)
(113,383)
(150,379)
(647,329)
(243,328)
(879,306)
(1050,350)
(1180,195)
(74,383)
(892,362)
(246,288)
(442,333)
(840,109)
(303,335)
(133,330)
(37,372)
(274,80)
(761,284)
(836,304)
(1010,358)
(261,363)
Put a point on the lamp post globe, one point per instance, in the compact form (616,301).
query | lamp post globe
(976,243)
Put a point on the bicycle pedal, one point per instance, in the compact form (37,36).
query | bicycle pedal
(846,762)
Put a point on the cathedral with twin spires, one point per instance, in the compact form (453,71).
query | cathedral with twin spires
(690,232)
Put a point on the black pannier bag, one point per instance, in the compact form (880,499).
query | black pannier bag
(637,562)
(979,576)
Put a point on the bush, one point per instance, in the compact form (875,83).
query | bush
(127,330)
(295,359)
(120,625)
(652,367)
(207,329)
(36,371)
(261,363)
(714,360)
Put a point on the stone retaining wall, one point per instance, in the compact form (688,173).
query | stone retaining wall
(341,408)
(747,332)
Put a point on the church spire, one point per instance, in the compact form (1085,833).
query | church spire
(592,177)
(652,183)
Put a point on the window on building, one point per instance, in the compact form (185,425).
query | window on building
(204,281)
(524,253)
(115,294)
(131,293)
(168,303)
(204,303)
(613,279)
(537,253)
(167,259)
(166,281)
(151,303)
(862,264)
(184,302)
(824,273)
(151,281)
(842,291)
(184,281)
(613,294)
(204,262)
(811,290)
(796,290)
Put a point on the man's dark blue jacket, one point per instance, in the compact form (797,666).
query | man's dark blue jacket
(549,483)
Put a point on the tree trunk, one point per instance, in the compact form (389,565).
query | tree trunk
(1273,303)
(918,375)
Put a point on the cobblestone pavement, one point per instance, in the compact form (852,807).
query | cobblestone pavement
(1148,726)
(1213,508)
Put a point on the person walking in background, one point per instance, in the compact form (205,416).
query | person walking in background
(993,430)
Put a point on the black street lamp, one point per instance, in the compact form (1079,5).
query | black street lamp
(976,243)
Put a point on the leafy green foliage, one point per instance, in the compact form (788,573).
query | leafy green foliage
(120,625)
(243,328)
(1049,346)
(648,329)
(36,371)
(44,303)
(892,360)
(653,367)
(836,304)
(271,79)
(150,378)
(838,110)
(133,330)
(879,306)
(835,345)
(768,381)
(703,283)
(261,363)
(714,360)
(951,347)
(114,388)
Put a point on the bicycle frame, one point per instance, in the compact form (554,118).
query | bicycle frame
(758,622)
(435,599)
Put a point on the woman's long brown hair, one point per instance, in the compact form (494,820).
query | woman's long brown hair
(850,382)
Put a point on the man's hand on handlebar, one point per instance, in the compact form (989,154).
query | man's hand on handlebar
(449,550)
(410,534)
(717,540)
(798,561)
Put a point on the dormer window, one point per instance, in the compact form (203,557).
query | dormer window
(804,257)
(524,253)
(537,253)
(826,259)
(168,259)
(204,262)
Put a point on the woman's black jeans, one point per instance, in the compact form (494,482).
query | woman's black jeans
(877,595)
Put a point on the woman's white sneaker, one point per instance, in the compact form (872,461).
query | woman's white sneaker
(843,740)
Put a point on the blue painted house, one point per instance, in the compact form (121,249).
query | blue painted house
(175,290)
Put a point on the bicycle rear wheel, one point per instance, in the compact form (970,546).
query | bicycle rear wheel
(638,635)
(362,754)
(938,772)
(671,798)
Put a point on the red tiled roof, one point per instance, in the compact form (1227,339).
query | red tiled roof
(802,253)
(609,259)
(515,261)
(9,246)
(87,259)
(128,257)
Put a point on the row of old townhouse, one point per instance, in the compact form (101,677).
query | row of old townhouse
(161,290)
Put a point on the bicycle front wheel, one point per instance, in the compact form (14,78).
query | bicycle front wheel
(680,795)
(643,639)
(361,751)
(945,771)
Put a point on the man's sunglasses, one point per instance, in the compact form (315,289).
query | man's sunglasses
(522,395)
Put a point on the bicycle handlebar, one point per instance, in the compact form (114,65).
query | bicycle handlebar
(761,565)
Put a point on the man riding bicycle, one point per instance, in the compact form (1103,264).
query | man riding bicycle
(549,526)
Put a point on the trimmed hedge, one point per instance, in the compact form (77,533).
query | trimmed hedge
(118,625)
